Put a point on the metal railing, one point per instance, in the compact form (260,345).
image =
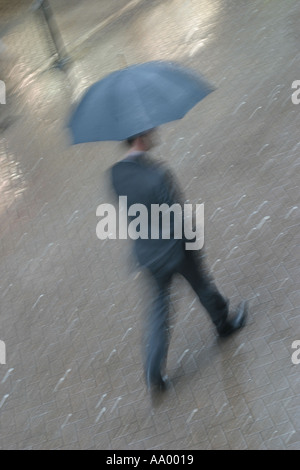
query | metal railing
(43,6)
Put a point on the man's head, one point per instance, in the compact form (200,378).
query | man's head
(144,141)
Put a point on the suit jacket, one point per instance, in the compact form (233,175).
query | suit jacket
(146,182)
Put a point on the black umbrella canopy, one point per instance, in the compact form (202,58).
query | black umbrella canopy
(136,99)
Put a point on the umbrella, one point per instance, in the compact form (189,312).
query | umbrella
(138,98)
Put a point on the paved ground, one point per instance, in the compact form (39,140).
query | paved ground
(71,307)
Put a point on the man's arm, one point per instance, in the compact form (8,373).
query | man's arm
(170,191)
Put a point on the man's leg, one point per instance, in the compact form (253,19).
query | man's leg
(210,297)
(157,333)
(206,290)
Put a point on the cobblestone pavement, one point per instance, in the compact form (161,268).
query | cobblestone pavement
(71,308)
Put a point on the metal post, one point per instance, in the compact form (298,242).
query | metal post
(54,32)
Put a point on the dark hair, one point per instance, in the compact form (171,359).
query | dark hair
(130,140)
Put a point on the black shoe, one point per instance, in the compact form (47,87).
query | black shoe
(160,386)
(157,391)
(233,324)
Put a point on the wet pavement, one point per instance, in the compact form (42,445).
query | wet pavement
(71,307)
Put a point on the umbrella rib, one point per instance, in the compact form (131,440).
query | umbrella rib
(143,109)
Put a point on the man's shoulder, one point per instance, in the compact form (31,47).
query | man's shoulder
(140,168)
(125,167)
(136,164)
(126,174)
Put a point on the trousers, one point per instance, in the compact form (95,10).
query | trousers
(157,334)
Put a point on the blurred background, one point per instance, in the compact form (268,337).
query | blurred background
(71,306)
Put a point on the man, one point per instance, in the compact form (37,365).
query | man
(143,181)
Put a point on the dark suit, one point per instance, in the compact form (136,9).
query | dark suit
(146,182)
